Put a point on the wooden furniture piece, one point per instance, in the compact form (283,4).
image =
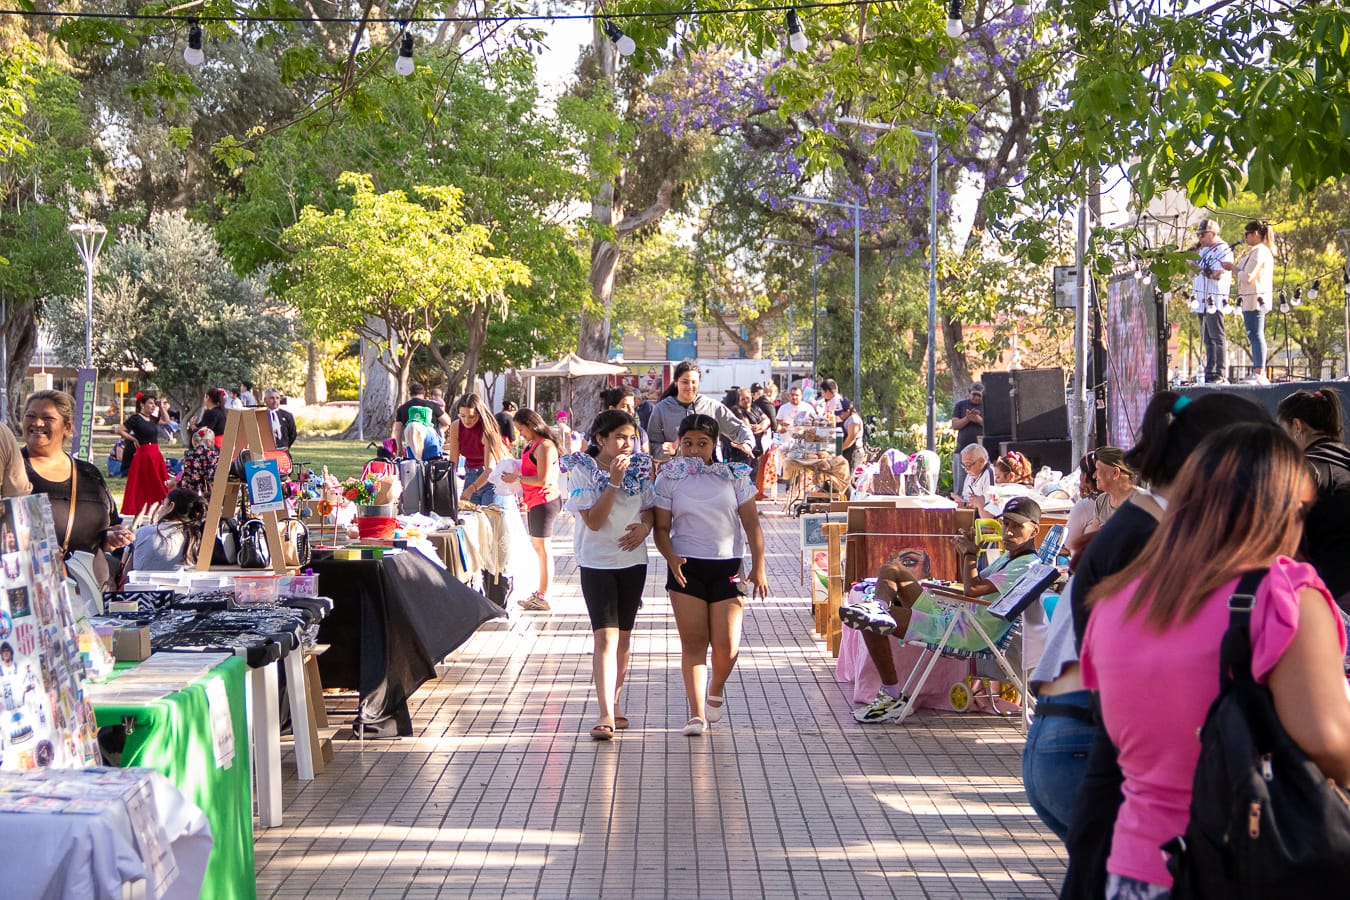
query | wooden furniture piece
(243,428)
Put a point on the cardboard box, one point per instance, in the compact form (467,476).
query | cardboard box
(131,644)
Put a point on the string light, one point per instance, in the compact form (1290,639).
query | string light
(192,53)
(796,37)
(1284,304)
(404,65)
(1298,297)
(955,27)
(1315,289)
(622,42)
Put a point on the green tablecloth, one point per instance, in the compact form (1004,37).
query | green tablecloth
(173,736)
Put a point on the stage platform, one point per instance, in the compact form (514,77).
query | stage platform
(1270,395)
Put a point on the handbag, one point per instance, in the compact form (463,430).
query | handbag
(253,551)
(295,543)
(225,551)
(282,456)
(1264,820)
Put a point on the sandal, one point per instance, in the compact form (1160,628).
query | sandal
(620,722)
(715,712)
(603,733)
(693,727)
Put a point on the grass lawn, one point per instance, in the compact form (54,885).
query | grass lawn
(343,458)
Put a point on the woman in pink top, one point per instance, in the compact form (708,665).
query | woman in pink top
(539,488)
(1152,642)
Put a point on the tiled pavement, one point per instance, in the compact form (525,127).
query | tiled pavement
(502,793)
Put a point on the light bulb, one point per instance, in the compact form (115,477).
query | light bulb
(955,27)
(1298,296)
(404,64)
(622,42)
(1315,290)
(192,54)
(796,36)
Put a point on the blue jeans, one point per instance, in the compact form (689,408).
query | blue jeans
(485,495)
(1256,336)
(1055,760)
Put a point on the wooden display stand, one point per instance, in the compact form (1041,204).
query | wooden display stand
(243,428)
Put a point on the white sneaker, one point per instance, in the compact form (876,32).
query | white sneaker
(883,709)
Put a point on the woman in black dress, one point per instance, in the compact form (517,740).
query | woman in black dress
(213,414)
(48,422)
(147,474)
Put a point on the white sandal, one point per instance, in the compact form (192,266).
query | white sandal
(693,727)
(715,712)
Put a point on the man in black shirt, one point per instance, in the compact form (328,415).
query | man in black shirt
(506,422)
(968,423)
(417,395)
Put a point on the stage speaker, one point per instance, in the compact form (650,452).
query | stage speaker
(1039,409)
(997,402)
(1057,454)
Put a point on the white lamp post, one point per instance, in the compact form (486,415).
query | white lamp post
(88,237)
(931,137)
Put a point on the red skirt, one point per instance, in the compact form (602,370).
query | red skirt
(145,481)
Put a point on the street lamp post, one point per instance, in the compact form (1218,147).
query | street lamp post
(88,237)
(931,137)
(857,284)
(815,314)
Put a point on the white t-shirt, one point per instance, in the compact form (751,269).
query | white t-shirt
(1211,294)
(977,486)
(599,549)
(791,413)
(704,503)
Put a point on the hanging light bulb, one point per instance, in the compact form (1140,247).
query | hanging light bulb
(192,54)
(1298,296)
(955,27)
(1315,289)
(404,65)
(622,42)
(1284,304)
(796,37)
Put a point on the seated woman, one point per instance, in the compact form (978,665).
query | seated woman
(906,612)
(173,541)
(199,463)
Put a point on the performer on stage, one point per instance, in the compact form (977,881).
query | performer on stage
(1213,279)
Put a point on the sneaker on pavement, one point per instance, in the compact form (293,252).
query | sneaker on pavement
(870,616)
(883,709)
(536,603)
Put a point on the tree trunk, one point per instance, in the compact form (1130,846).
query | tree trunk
(316,386)
(20,328)
(382,390)
(956,360)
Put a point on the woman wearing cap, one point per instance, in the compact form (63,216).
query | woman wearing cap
(1256,290)
(705,514)
(852,423)
(1313,420)
(1209,296)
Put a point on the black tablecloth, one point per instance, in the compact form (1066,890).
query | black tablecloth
(393,619)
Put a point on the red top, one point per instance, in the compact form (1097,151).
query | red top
(471,445)
(533,494)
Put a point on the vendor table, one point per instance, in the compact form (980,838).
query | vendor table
(173,736)
(93,846)
(393,620)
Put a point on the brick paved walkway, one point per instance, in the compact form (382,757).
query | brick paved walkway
(502,793)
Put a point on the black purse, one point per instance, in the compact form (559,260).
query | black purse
(253,549)
(1264,821)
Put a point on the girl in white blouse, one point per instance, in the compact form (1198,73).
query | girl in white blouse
(1256,287)
(610,494)
(702,507)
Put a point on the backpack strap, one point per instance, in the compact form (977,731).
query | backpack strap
(1235,653)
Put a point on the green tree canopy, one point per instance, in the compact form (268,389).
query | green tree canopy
(392,269)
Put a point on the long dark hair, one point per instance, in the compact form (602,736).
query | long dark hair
(1237,504)
(187,509)
(605,424)
(1320,410)
(535,422)
(492,435)
(612,397)
(685,365)
(216,395)
(1174,425)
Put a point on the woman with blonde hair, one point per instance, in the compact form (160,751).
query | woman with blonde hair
(1157,625)
(1256,290)
(475,436)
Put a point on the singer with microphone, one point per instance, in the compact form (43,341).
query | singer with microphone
(1213,279)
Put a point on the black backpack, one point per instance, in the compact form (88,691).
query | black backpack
(1264,821)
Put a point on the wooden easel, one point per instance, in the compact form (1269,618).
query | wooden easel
(243,428)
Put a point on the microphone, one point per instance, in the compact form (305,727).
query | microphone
(1193,247)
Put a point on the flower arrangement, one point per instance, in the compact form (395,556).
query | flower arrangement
(360,491)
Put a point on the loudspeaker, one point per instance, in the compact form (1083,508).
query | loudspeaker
(1057,454)
(1039,409)
(997,402)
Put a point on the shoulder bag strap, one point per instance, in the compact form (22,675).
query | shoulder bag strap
(74,496)
(1235,653)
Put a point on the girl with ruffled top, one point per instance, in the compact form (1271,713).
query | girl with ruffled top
(705,511)
(610,492)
